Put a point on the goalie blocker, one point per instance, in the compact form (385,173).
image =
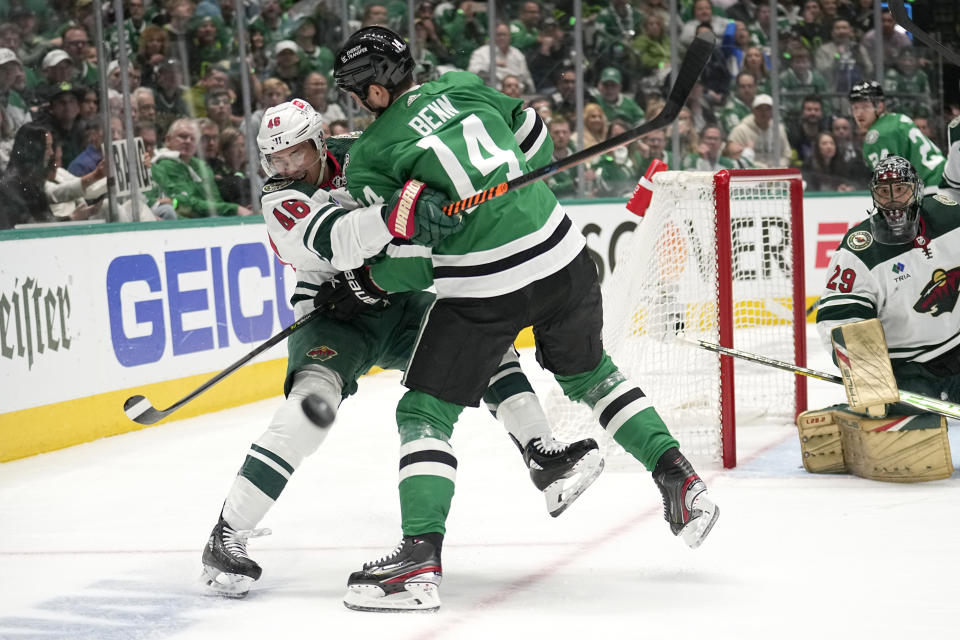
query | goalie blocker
(862,438)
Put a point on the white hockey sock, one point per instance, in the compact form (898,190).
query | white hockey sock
(273,457)
(523,418)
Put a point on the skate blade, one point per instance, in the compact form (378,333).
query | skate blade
(228,585)
(699,528)
(417,597)
(561,494)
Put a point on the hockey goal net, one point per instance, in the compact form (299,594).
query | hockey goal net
(718,257)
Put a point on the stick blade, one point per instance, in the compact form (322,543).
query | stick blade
(139,409)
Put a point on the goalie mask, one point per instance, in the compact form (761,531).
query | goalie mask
(896,189)
(287,125)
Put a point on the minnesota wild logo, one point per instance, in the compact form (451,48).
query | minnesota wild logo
(940,294)
(860,240)
(323,352)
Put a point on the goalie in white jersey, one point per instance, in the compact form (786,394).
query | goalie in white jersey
(313,227)
(899,268)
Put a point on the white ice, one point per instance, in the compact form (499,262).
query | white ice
(103,541)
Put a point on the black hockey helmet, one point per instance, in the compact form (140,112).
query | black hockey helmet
(372,55)
(896,188)
(870,90)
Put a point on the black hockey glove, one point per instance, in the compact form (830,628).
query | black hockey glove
(415,213)
(349,294)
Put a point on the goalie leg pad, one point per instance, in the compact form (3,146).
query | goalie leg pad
(898,448)
(821,444)
(861,353)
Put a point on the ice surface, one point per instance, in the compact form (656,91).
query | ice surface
(103,541)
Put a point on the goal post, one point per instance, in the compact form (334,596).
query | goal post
(717,257)
(727,198)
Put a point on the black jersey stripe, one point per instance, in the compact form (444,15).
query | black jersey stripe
(617,405)
(840,298)
(509,262)
(845,312)
(534,134)
(430,455)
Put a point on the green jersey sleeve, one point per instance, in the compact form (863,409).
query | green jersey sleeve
(896,134)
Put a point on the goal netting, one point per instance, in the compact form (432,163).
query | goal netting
(718,257)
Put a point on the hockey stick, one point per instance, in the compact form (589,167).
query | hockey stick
(141,411)
(899,13)
(934,405)
(692,66)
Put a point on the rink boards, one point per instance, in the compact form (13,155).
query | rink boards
(90,314)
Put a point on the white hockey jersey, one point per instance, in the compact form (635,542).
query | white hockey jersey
(319,231)
(912,288)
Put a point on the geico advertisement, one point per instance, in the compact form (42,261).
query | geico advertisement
(86,314)
(759,249)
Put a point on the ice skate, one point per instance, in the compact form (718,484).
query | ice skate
(562,471)
(227,569)
(406,579)
(686,506)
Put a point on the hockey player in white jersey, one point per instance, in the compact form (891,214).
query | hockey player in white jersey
(311,228)
(901,268)
(902,265)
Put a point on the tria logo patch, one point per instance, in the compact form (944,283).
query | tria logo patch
(940,294)
(898,268)
(323,352)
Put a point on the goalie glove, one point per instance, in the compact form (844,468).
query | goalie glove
(415,213)
(349,294)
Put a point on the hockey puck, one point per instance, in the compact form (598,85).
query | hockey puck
(318,411)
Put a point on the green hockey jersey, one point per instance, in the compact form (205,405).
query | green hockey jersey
(461,137)
(894,134)
(912,288)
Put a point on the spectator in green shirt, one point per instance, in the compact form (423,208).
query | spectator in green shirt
(614,103)
(738,104)
(525,30)
(187,179)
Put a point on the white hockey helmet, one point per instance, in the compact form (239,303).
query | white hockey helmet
(287,125)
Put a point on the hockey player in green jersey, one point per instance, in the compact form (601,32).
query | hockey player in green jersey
(517,261)
(886,134)
(902,265)
(309,228)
